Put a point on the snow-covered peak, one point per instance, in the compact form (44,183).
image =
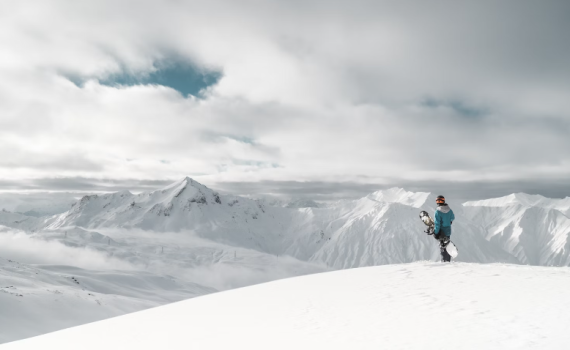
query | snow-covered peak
(183,184)
(185,189)
(186,181)
(526,200)
(177,194)
(399,195)
(168,207)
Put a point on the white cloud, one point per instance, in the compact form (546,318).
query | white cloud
(328,91)
(22,247)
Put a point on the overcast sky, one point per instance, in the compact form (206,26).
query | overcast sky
(296,97)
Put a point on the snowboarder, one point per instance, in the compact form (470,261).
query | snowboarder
(442,231)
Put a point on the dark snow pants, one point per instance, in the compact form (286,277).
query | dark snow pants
(443,242)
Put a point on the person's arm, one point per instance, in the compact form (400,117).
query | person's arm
(452,217)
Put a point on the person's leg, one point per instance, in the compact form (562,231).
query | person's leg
(443,242)
(445,257)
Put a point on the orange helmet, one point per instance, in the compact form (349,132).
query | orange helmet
(440,200)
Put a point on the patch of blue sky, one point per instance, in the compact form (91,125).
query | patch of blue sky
(186,78)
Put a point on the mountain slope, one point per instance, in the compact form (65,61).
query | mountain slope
(40,299)
(412,306)
(527,227)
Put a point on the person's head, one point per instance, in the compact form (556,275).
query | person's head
(440,200)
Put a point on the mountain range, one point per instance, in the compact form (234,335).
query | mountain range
(115,253)
(380,228)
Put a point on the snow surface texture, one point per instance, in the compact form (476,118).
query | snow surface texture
(411,306)
(187,240)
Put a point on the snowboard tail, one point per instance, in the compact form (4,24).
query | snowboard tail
(452,250)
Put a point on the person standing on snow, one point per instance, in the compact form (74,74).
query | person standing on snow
(442,231)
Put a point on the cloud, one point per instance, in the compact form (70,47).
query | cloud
(332,92)
(185,255)
(23,248)
(456,191)
(458,107)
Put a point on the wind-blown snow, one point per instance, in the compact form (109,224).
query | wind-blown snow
(412,306)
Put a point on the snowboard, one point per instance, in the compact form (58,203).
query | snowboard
(428,221)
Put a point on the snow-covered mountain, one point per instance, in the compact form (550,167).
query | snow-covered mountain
(202,241)
(534,229)
(526,200)
(412,306)
(380,228)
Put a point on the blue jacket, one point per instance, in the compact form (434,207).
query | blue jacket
(443,218)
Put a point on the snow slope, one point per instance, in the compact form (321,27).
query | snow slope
(40,299)
(411,306)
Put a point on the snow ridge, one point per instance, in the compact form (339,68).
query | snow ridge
(527,200)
